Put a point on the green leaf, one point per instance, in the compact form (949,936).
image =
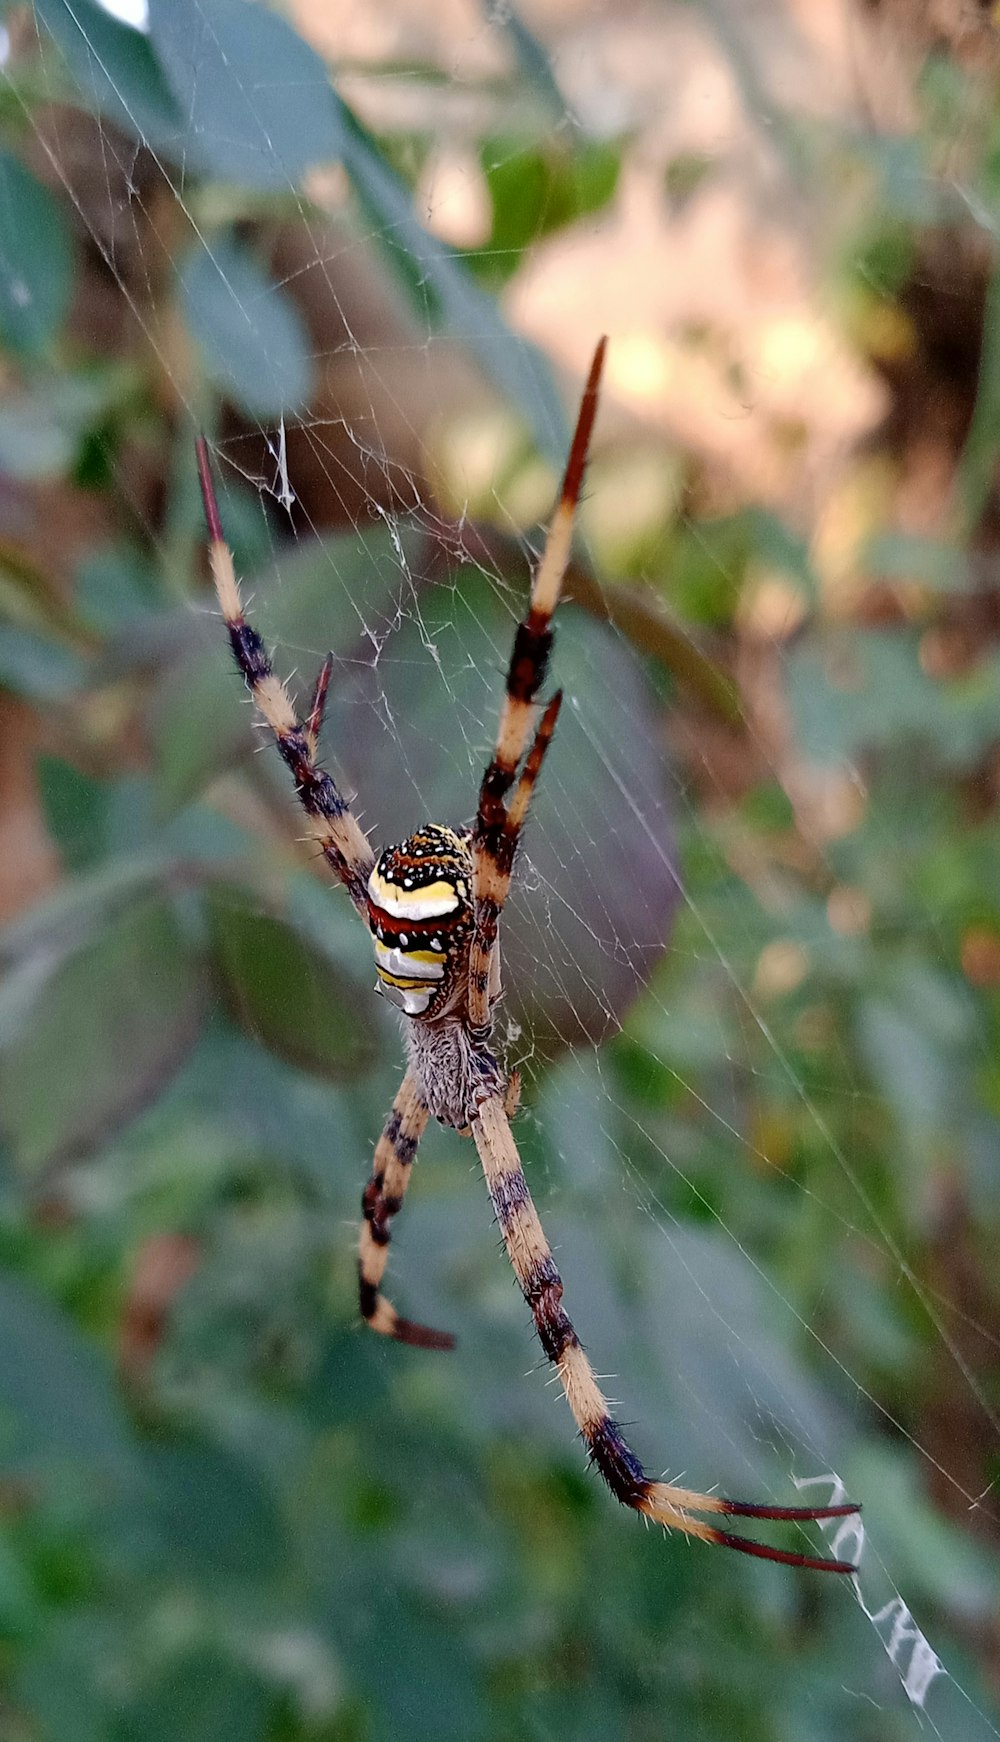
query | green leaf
(287,995)
(58,1403)
(910,196)
(199,723)
(318,598)
(915,1035)
(41,431)
(534,63)
(538,188)
(859,690)
(911,557)
(977,467)
(36,260)
(721,1386)
(74,807)
(444,292)
(36,667)
(922,1547)
(597,864)
(68,918)
(114,586)
(34,441)
(108,1029)
(216,1515)
(913,1077)
(19,1604)
(116,70)
(326,921)
(59,1680)
(697,1031)
(201,1695)
(252,339)
(258,102)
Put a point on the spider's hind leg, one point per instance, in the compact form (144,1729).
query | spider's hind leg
(511,1101)
(541,1284)
(383,1199)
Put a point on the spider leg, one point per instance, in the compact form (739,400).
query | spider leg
(496,829)
(383,1198)
(317,704)
(483,958)
(541,1285)
(333,823)
(517,810)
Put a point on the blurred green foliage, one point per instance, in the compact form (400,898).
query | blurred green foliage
(774,1190)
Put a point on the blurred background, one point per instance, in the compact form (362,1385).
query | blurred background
(753,961)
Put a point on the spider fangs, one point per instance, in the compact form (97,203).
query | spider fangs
(433,905)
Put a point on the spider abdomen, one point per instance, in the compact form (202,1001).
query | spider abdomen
(420,916)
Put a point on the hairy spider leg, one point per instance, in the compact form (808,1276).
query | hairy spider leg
(317,704)
(517,810)
(540,1283)
(495,832)
(347,849)
(504,851)
(332,822)
(383,1199)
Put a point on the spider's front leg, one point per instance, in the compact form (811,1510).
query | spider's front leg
(331,820)
(347,850)
(498,824)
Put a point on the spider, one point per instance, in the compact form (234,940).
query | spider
(432,904)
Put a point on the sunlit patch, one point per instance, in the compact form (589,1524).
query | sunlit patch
(641,366)
(455,197)
(789,346)
(133,12)
(781,967)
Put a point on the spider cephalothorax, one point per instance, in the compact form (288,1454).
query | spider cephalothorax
(433,904)
(420,914)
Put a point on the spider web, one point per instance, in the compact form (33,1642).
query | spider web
(445,497)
